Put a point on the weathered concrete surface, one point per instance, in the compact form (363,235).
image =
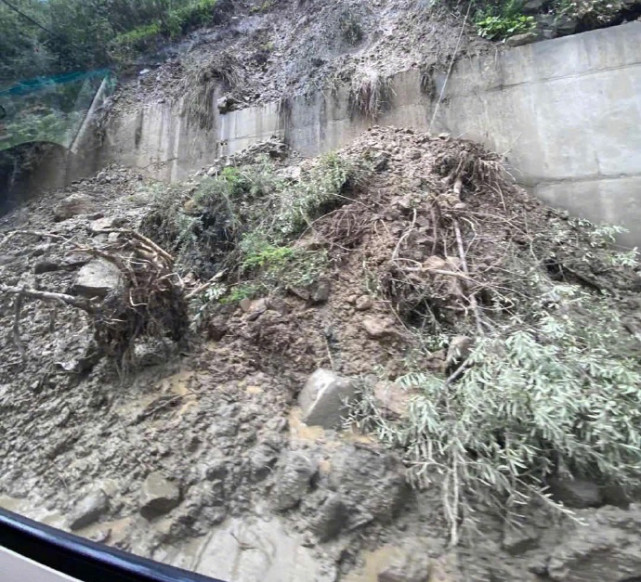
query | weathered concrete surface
(566,113)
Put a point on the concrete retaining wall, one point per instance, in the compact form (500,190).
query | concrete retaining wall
(566,113)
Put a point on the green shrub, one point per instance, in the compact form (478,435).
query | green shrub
(559,391)
(502,20)
(501,27)
(318,192)
(278,267)
(138,38)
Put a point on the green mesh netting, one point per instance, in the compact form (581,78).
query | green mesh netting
(47,109)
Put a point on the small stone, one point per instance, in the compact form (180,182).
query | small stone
(330,519)
(445,569)
(226,104)
(522,39)
(377,328)
(519,539)
(107,223)
(73,205)
(565,25)
(320,293)
(324,398)
(101,536)
(45,267)
(533,6)
(158,496)
(216,470)
(293,480)
(254,309)
(217,328)
(96,279)
(364,303)
(576,493)
(88,510)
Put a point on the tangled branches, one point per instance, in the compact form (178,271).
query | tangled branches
(147,302)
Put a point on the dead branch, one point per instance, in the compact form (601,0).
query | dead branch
(16,327)
(473,302)
(83,304)
(37,233)
(205,285)
(141,238)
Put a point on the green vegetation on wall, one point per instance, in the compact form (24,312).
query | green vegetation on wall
(44,38)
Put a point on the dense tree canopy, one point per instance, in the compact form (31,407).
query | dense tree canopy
(51,36)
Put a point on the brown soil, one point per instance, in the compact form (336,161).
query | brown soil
(219,419)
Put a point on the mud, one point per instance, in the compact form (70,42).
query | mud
(262,496)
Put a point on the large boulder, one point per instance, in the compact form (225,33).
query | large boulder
(324,398)
(606,548)
(158,496)
(73,205)
(576,493)
(96,279)
(371,484)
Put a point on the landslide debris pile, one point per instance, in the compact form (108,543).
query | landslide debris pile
(505,328)
(488,340)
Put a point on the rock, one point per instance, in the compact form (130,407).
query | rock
(96,279)
(533,6)
(371,484)
(446,569)
(364,303)
(254,309)
(392,399)
(324,397)
(217,328)
(459,349)
(226,104)
(45,267)
(576,493)
(330,519)
(545,20)
(565,25)
(73,205)
(522,39)
(320,293)
(378,328)
(88,510)
(300,292)
(293,480)
(158,496)
(262,459)
(107,223)
(607,548)
(520,538)
(414,568)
